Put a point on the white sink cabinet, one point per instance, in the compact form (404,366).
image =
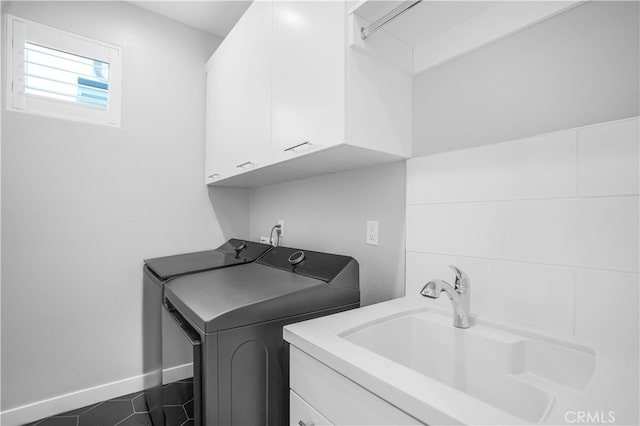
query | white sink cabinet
(321,396)
(402,362)
(286,93)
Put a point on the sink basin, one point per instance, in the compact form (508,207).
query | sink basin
(517,373)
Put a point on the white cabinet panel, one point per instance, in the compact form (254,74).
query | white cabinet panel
(340,400)
(379,105)
(250,107)
(279,95)
(302,414)
(308,97)
(220,131)
(239,97)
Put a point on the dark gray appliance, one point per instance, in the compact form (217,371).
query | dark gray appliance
(236,315)
(156,273)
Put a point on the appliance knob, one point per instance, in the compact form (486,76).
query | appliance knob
(296,257)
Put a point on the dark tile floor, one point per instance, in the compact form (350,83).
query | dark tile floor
(130,410)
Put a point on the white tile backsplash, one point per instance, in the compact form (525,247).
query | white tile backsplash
(538,167)
(607,307)
(547,228)
(470,229)
(600,233)
(608,159)
(519,293)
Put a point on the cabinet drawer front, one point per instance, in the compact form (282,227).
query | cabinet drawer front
(340,400)
(302,414)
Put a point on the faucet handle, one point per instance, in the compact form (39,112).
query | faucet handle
(462,281)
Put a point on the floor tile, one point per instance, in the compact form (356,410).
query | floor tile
(59,421)
(137,419)
(177,393)
(126,410)
(188,408)
(174,415)
(106,414)
(79,410)
(140,404)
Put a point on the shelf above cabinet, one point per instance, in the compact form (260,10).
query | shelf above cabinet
(432,33)
(322,161)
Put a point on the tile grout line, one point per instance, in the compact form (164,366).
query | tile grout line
(525,262)
(577,164)
(519,200)
(575,300)
(130,415)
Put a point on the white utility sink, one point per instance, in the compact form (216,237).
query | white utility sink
(407,353)
(516,373)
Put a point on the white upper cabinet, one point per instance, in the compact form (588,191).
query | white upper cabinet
(308,92)
(220,155)
(281,93)
(295,91)
(239,97)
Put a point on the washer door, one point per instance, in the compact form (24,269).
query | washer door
(196,342)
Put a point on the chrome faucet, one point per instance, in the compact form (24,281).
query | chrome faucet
(459,294)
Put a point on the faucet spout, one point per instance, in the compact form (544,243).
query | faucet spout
(458,295)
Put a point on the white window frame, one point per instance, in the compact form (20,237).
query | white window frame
(21,30)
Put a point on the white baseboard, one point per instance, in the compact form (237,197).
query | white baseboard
(174,374)
(78,399)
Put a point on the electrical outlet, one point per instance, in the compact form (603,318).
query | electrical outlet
(372,233)
(265,240)
(281,223)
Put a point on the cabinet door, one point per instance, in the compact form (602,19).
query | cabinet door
(339,398)
(308,98)
(303,414)
(219,153)
(239,96)
(250,108)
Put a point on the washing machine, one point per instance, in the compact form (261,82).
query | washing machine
(156,273)
(234,317)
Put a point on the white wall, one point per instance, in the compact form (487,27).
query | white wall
(577,68)
(82,205)
(1,95)
(546,228)
(329,213)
